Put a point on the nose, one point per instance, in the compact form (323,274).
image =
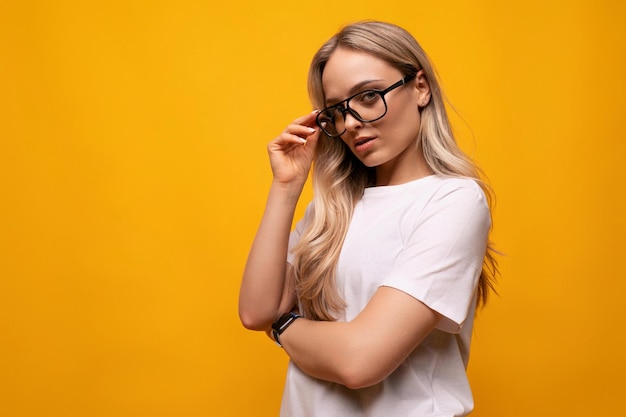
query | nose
(351,122)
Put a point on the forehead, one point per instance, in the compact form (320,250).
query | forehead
(347,67)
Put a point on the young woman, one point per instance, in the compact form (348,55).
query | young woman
(373,294)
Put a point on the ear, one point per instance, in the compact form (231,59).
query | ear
(423,89)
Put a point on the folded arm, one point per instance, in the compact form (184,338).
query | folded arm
(366,350)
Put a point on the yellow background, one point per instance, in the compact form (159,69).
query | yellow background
(133,175)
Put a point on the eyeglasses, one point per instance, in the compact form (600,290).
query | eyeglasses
(366,106)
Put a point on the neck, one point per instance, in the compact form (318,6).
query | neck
(403,170)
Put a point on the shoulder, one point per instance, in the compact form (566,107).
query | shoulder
(455,201)
(458,191)
(461,185)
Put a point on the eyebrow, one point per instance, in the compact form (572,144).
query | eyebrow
(355,89)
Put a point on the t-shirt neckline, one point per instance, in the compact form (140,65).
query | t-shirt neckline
(385,189)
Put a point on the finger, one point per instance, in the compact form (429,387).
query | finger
(312,139)
(307,120)
(301,130)
(287,138)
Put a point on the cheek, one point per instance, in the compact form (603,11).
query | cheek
(405,122)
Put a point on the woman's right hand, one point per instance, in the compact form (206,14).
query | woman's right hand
(291,153)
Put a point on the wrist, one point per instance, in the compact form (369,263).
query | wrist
(287,192)
(289,186)
(280,325)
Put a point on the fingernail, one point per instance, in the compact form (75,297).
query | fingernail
(312,130)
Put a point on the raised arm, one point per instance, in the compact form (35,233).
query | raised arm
(265,290)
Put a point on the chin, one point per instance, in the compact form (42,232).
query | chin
(369,163)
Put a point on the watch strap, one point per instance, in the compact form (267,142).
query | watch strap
(283,322)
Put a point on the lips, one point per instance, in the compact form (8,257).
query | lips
(363,144)
(361,141)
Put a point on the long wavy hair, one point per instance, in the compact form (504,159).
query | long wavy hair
(339,178)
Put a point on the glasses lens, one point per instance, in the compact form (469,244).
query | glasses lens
(369,105)
(328,119)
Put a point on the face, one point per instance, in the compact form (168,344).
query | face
(388,144)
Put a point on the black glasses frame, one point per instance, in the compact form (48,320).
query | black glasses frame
(345,109)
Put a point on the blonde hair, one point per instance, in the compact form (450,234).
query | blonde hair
(339,178)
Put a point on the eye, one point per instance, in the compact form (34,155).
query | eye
(367,98)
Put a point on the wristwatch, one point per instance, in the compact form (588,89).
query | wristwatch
(281,325)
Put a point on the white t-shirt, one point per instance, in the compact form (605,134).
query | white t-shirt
(426,238)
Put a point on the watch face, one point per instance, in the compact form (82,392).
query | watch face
(281,322)
(284,321)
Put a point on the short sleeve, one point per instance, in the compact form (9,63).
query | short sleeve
(444,253)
